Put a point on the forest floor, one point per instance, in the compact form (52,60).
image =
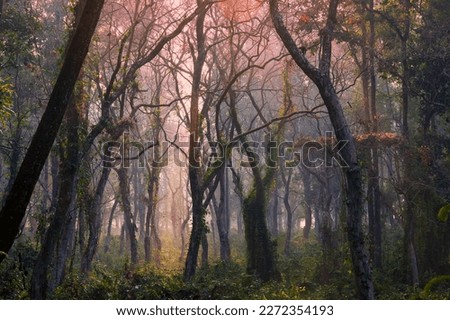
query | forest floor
(307,273)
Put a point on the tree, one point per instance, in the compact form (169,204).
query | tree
(321,77)
(16,202)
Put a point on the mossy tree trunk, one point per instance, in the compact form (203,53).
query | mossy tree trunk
(260,249)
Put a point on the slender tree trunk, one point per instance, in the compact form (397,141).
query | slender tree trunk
(198,212)
(94,222)
(409,245)
(109,229)
(129,219)
(123,239)
(205,251)
(374,181)
(2,5)
(273,212)
(149,217)
(223,218)
(151,228)
(307,186)
(289,213)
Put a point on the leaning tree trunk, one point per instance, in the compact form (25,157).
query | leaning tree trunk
(17,200)
(321,77)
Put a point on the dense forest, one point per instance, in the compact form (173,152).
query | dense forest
(229,149)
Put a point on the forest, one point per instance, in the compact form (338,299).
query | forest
(224,149)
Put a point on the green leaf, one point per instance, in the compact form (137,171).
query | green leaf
(443,213)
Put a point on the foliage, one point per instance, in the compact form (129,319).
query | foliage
(440,286)
(6,100)
(443,213)
(15,272)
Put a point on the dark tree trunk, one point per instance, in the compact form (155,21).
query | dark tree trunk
(60,232)
(260,248)
(321,77)
(273,212)
(151,228)
(2,5)
(149,216)
(183,236)
(154,170)
(307,186)
(109,229)
(410,250)
(223,217)
(65,247)
(128,216)
(94,222)
(14,157)
(123,239)
(205,251)
(18,198)
(198,212)
(369,91)
(287,205)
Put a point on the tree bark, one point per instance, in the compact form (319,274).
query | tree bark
(18,198)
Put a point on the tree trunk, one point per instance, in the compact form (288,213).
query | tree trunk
(65,247)
(260,248)
(59,233)
(273,212)
(151,230)
(205,251)
(128,216)
(109,229)
(198,212)
(287,205)
(94,222)
(306,177)
(410,250)
(223,218)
